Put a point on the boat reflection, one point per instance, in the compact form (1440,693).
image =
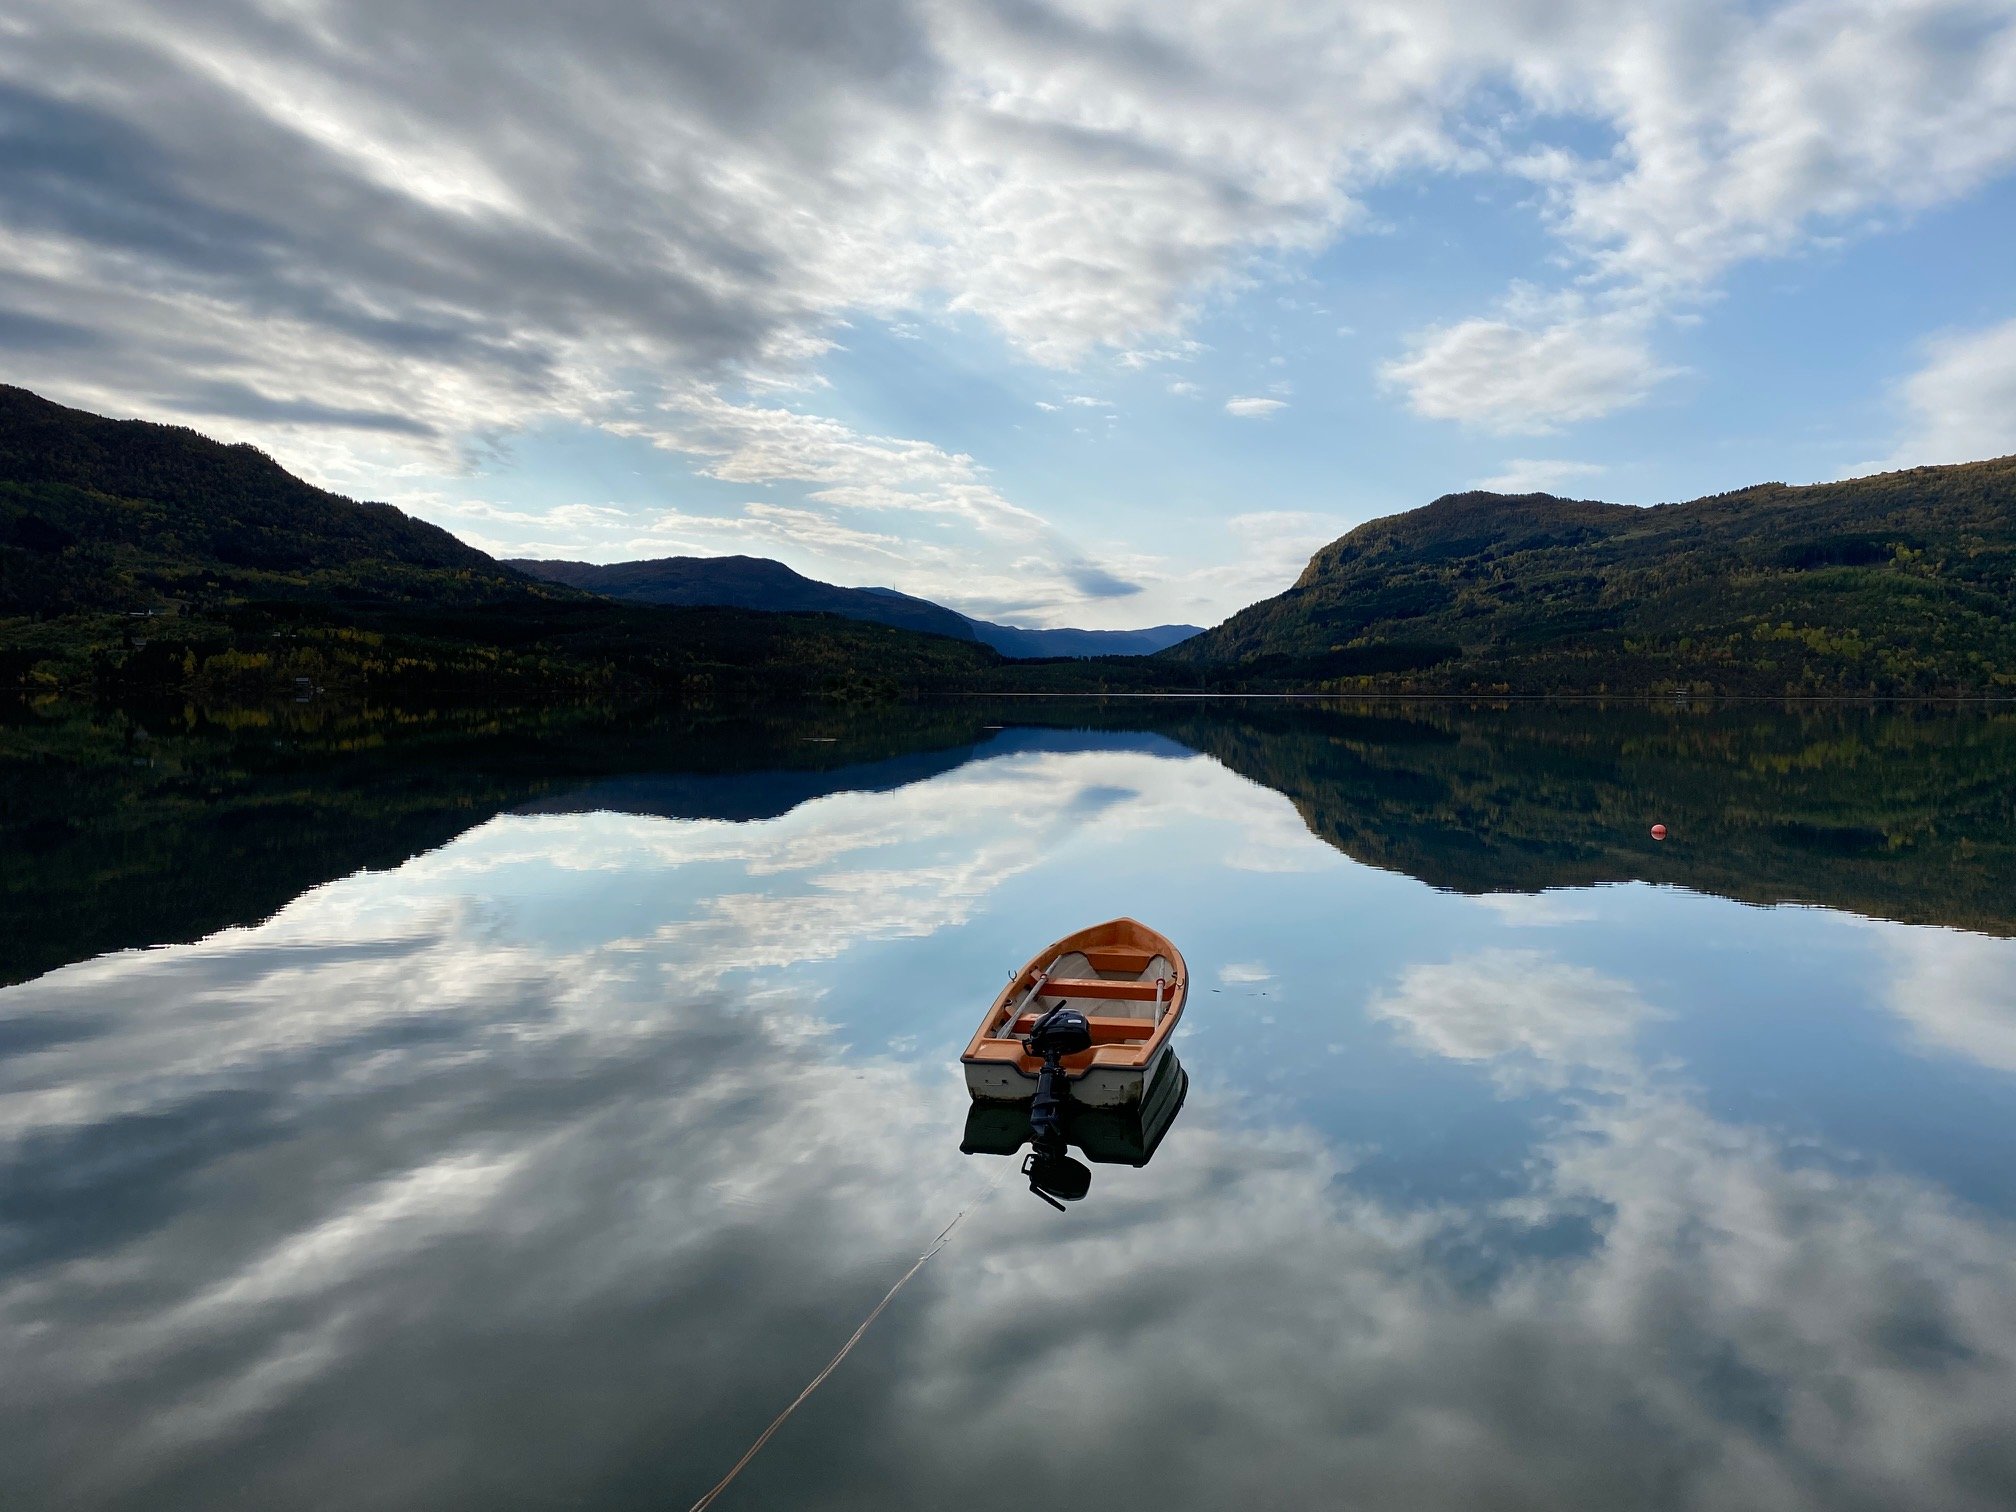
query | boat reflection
(1105,1136)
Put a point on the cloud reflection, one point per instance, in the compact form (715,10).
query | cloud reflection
(401,1193)
(1957,991)
(1539,1020)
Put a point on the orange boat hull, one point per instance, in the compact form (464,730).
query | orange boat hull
(1130,982)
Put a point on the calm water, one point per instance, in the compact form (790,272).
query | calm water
(522,1114)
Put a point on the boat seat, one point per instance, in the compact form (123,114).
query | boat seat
(1105,1029)
(1133,1000)
(1128,995)
(1102,987)
(1118,960)
(1010,1052)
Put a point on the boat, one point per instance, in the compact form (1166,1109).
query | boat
(1127,981)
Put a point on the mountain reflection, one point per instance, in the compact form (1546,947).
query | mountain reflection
(544,1167)
(122,830)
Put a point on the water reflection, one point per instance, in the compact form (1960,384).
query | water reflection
(1105,1136)
(1899,813)
(544,1167)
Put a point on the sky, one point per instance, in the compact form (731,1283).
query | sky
(1061,312)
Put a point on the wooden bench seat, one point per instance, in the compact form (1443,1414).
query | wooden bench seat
(1104,1030)
(1124,960)
(1010,1052)
(1099,987)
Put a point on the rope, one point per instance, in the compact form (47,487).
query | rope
(937,1244)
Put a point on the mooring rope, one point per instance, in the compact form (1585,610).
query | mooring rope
(833,1364)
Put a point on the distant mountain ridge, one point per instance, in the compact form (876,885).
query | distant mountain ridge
(744,582)
(1900,583)
(1013,641)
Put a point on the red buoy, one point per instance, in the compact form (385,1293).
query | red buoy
(1658,832)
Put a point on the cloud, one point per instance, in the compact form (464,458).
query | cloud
(239,400)
(1539,475)
(1096,582)
(664,197)
(277,223)
(1542,910)
(846,472)
(1961,403)
(1247,407)
(606,533)
(1542,363)
(1264,551)
(1957,991)
(1743,134)
(1275,526)
(1268,550)
(1543,1021)
(741,442)
(1183,349)
(1737,135)
(810,531)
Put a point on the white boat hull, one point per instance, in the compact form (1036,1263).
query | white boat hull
(1095,1086)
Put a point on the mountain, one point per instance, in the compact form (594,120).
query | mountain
(758,583)
(1903,583)
(1013,641)
(743,582)
(140,559)
(99,514)
(1028,645)
(143,558)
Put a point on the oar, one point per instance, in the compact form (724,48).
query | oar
(1008,1028)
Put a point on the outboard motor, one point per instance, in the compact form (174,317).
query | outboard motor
(1060,1032)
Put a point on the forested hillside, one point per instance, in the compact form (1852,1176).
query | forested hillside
(1900,583)
(100,514)
(139,558)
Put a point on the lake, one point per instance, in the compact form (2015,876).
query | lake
(497,1110)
